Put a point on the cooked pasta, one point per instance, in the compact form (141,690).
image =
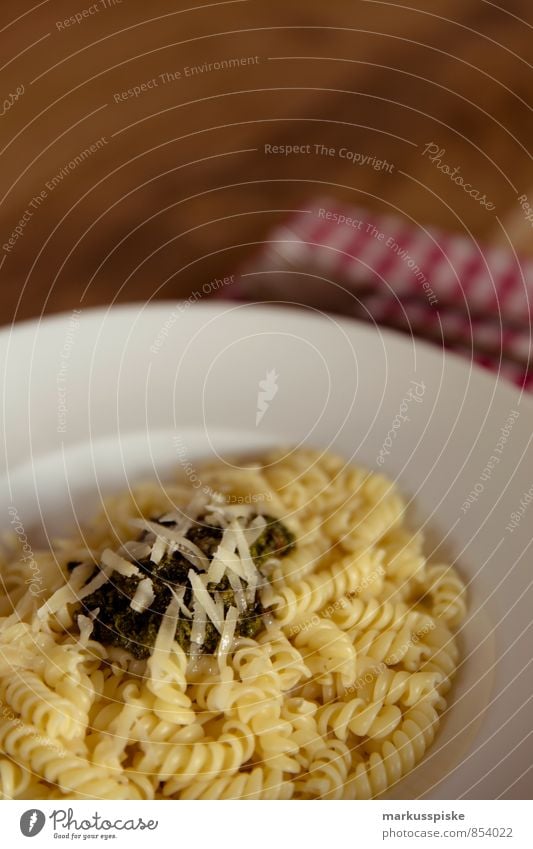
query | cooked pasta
(276,634)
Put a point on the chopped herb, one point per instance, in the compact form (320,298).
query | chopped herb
(275,541)
(117,624)
(183,633)
(252,623)
(206,537)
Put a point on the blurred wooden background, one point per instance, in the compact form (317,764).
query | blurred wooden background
(180,189)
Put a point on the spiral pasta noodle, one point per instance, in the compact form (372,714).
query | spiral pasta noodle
(293,602)
(259,783)
(336,695)
(394,758)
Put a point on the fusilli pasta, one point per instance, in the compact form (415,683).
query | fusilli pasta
(337,696)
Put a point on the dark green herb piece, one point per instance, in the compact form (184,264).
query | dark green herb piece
(118,625)
(206,537)
(252,622)
(275,541)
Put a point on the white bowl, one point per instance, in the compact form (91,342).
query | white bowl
(143,386)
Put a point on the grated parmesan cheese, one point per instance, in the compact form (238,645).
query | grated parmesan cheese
(136,549)
(268,566)
(86,626)
(144,596)
(184,519)
(228,634)
(198,630)
(159,549)
(232,562)
(174,516)
(204,599)
(250,570)
(179,542)
(255,529)
(72,592)
(238,511)
(238,591)
(225,558)
(167,630)
(179,595)
(116,563)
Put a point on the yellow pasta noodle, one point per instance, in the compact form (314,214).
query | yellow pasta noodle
(334,692)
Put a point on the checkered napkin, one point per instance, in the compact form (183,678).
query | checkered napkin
(443,287)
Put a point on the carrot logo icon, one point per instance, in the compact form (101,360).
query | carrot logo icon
(268,389)
(32,822)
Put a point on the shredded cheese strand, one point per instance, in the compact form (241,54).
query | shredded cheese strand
(203,597)
(144,595)
(167,630)
(116,563)
(228,634)
(197,630)
(189,550)
(179,595)
(249,567)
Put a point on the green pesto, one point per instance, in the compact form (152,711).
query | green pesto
(275,541)
(116,624)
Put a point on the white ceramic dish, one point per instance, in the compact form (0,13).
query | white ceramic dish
(146,385)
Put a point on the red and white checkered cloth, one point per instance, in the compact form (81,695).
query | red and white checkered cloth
(448,288)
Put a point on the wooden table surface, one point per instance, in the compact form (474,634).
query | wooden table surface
(145,147)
